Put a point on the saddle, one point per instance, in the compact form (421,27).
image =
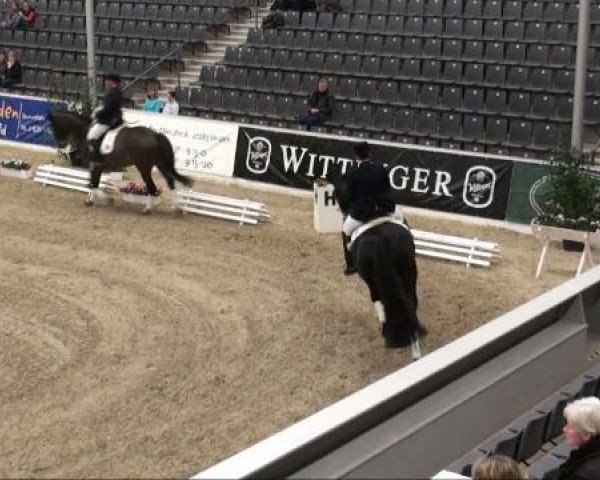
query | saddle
(107,142)
(396,217)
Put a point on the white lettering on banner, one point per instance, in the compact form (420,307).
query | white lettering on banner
(201,146)
(420,183)
(291,160)
(421,177)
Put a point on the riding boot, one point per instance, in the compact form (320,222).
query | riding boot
(94,148)
(350,269)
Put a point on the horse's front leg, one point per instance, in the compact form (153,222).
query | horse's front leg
(95,174)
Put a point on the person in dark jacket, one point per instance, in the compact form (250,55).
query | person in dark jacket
(14,71)
(582,431)
(107,116)
(320,106)
(369,192)
(3,65)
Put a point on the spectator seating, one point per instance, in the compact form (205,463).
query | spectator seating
(535,438)
(131,37)
(483,75)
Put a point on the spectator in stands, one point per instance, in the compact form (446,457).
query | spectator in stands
(582,431)
(320,106)
(498,467)
(14,72)
(152,103)
(3,65)
(285,5)
(29,14)
(328,6)
(171,106)
(24,17)
(10,15)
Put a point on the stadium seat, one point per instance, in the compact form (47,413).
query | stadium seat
(519,103)
(545,465)
(450,124)
(506,441)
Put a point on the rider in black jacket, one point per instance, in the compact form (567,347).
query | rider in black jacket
(369,188)
(107,116)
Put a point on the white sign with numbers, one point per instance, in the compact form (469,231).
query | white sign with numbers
(201,146)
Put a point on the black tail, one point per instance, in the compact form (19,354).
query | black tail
(167,165)
(401,324)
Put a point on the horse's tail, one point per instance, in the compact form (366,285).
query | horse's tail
(167,165)
(401,326)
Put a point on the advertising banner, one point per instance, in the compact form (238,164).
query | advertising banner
(25,119)
(427,179)
(529,191)
(201,146)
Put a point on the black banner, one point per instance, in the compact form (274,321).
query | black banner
(453,183)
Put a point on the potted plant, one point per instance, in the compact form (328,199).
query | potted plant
(15,168)
(574,197)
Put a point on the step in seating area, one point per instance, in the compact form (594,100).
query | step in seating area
(483,75)
(535,438)
(131,36)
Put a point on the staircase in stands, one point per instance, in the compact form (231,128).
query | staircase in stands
(238,32)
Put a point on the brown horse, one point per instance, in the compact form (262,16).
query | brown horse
(138,146)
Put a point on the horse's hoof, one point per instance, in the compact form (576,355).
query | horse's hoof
(88,203)
(146,211)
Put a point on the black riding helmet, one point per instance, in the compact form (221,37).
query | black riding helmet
(113,77)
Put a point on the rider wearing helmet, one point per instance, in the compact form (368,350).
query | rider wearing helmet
(369,188)
(106,116)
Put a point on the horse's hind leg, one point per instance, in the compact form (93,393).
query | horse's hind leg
(415,349)
(147,178)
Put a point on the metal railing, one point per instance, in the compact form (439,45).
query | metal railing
(217,22)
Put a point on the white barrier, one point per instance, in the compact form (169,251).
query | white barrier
(328,219)
(73,178)
(456,249)
(225,208)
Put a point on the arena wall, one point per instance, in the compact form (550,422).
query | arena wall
(456,182)
(468,389)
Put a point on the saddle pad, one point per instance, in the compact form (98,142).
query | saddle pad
(108,142)
(396,218)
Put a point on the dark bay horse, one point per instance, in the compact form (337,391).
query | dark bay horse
(138,146)
(385,259)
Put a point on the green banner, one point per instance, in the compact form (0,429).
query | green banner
(528,189)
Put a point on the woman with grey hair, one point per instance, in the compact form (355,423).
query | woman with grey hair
(582,431)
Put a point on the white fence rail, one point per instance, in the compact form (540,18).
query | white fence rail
(225,208)
(457,249)
(72,178)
